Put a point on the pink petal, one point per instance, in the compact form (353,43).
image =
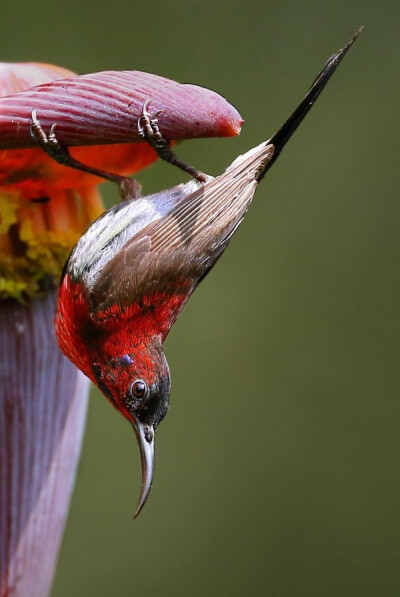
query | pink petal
(104,108)
(17,76)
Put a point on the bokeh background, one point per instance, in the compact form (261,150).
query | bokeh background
(278,464)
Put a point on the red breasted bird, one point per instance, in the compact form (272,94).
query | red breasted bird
(131,273)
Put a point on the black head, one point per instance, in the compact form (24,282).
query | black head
(148,402)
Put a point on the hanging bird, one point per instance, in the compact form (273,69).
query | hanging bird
(132,272)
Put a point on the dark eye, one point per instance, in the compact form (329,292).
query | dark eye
(139,389)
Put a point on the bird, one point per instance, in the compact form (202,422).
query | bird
(131,273)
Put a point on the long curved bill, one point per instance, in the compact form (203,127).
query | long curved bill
(145,438)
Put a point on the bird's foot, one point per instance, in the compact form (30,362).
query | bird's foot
(149,130)
(49,143)
(128,187)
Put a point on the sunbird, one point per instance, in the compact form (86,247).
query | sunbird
(131,273)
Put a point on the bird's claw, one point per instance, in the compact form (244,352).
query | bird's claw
(128,187)
(148,127)
(49,143)
(149,130)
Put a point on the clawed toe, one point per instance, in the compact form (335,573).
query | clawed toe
(149,130)
(49,143)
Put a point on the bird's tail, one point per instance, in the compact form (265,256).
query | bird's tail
(286,131)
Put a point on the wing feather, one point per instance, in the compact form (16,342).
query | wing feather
(174,253)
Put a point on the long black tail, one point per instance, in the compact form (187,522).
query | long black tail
(286,131)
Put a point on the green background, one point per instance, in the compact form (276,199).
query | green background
(277,467)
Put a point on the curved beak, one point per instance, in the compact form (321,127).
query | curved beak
(145,438)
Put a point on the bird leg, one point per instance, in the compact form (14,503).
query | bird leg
(148,129)
(129,188)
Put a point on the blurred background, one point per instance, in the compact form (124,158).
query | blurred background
(278,465)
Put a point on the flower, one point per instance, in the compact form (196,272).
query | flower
(45,207)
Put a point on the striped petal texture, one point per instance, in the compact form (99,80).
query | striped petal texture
(104,108)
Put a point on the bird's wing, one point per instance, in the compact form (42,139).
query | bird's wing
(166,260)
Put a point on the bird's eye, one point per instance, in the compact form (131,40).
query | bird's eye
(139,389)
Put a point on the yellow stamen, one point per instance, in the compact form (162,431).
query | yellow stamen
(36,238)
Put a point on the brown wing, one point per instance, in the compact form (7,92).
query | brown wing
(173,254)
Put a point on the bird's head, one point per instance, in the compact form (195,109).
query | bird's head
(137,383)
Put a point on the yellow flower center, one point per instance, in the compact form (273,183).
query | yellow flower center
(37,237)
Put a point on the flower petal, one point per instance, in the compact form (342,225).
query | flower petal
(36,174)
(17,76)
(104,108)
